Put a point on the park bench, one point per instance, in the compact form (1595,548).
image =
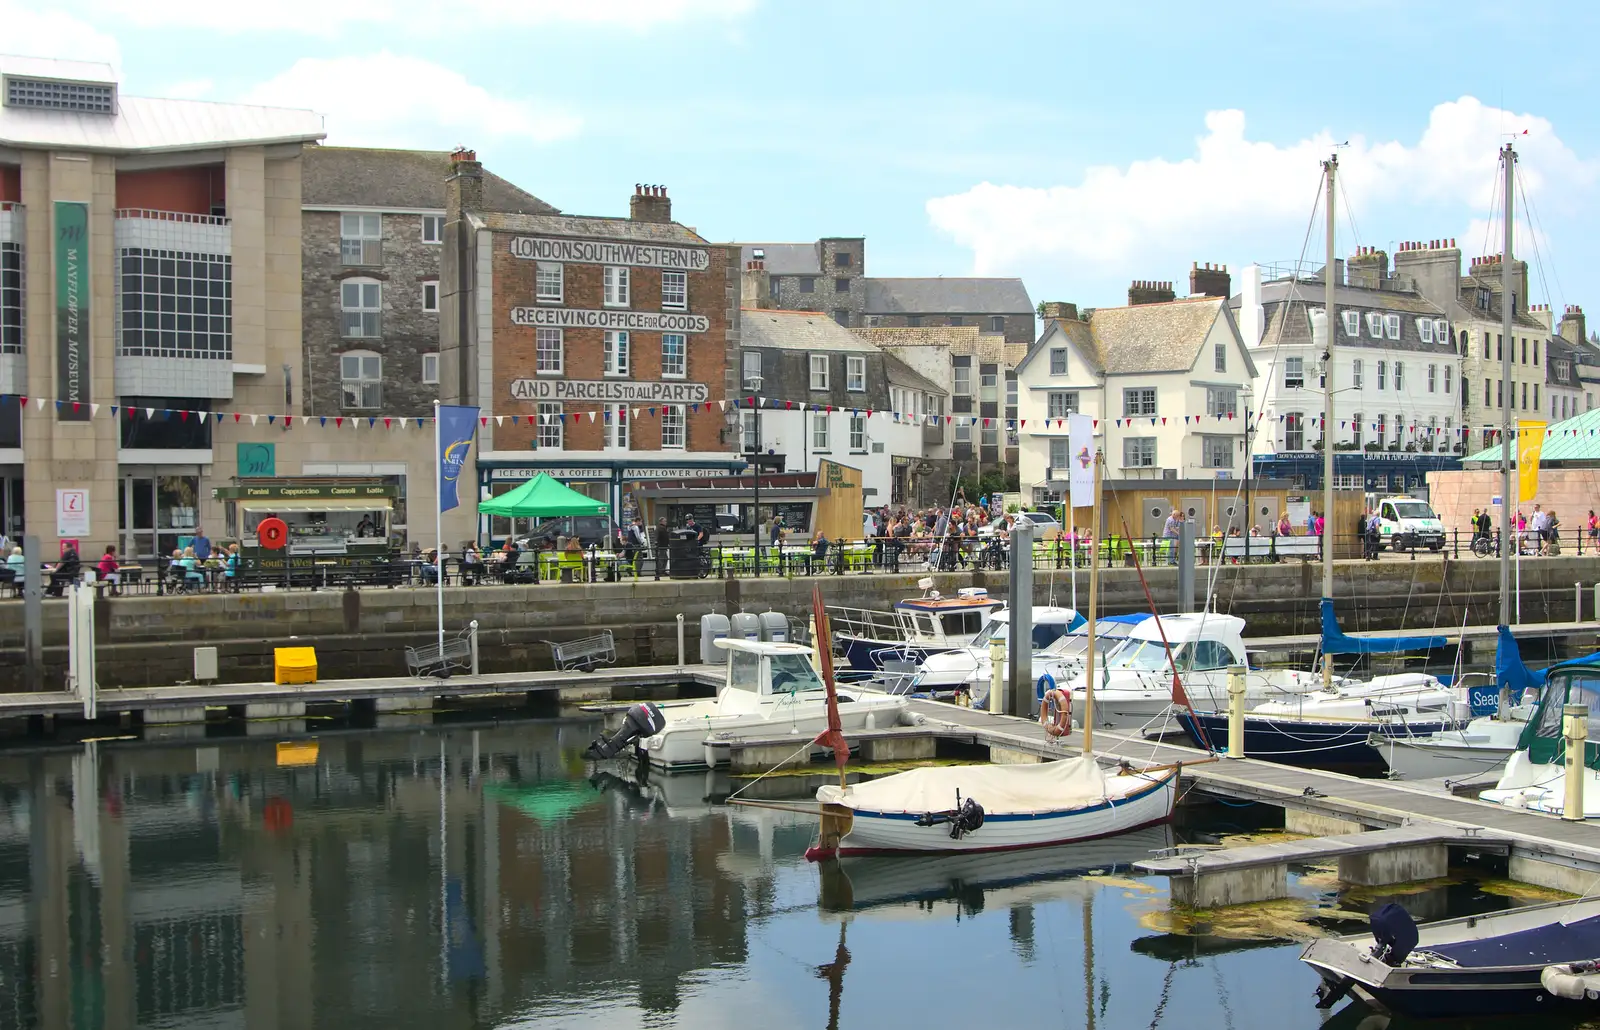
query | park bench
(434,660)
(584,653)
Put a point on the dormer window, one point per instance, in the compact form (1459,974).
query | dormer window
(1352,323)
(1391,326)
(1425,329)
(1374,325)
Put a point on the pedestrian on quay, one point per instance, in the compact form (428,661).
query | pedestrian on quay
(1594,530)
(107,569)
(1317,524)
(201,544)
(663,536)
(1285,527)
(1171,531)
(1483,525)
(1371,538)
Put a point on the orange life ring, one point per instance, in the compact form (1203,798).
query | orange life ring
(1055,712)
(272,533)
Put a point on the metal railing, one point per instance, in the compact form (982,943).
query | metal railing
(190,217)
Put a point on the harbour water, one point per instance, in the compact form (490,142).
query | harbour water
(481,874)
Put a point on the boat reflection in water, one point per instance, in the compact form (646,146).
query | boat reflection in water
(969,881)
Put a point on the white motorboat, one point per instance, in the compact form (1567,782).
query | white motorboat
(772,689)
(916,628)
(998,807)
(1535,775)
(969,669)
(1135,689)
(1481,748)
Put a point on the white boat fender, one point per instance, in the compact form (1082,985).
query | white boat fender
(914,719)
(1575,981)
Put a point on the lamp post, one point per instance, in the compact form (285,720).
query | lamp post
(753,384)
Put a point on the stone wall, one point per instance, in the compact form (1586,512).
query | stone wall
(149,640)
(407,331)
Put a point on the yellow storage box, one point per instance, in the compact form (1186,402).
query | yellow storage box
(294,665)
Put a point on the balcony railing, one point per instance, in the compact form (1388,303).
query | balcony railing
(933,434)
(171,216)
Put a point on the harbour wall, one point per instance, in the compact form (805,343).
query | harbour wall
(149,640)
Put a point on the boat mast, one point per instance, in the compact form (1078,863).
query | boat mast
(1094,606)
(1331,168)
(1508,159)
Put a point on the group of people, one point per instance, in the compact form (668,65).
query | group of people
(1537,533)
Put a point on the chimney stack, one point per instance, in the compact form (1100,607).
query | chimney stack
(1368,267)
(1574,328)
(1145,291)
(464,187)
(1209,281)
(755,288)
(649,204)
(1060,310)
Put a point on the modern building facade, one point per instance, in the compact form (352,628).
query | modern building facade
(829,395)
(599,349)
(149,279)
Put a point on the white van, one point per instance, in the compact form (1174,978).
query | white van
(1406,522)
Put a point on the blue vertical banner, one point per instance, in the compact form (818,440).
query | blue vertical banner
(457,425)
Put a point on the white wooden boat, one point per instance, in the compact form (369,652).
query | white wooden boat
(772,689)
(998,807)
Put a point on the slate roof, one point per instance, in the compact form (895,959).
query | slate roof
(1151,337)
(942,296)
(1080,335)
(784,258)
(902,374)
(799,330)
(1285,303)
(1558,349)
(592,227)
(372,177)
(1575,440)
(1469,299)
(951,336)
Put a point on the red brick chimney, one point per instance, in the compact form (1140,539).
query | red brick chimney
(650,204)
(1209,281)
(464,187)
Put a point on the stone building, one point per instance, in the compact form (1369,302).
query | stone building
(372,227)
(601,349)
(171,229)
(830,276)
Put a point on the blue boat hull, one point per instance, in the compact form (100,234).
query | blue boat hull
(1469,993)
(1306,745)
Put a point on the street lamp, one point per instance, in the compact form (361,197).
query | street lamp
(753,384)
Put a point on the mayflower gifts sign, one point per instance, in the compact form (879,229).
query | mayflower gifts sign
(72,311)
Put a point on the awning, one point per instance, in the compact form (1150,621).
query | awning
(275,504)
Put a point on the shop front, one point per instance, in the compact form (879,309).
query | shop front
(331,522)
(617,482)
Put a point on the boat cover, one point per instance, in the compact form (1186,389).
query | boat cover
(1539,946)
(1000,789)
(1337,641)
(1509,670)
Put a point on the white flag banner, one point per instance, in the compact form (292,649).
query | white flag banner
(1080,430)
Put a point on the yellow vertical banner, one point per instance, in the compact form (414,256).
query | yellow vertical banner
(1530,441)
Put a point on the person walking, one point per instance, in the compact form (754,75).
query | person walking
(1171,532)
(201,544)
(1594,530)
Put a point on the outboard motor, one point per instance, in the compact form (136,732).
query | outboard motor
(1395,933)
(643,720)
(966,817)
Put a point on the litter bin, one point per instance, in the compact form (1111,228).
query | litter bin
(683,555)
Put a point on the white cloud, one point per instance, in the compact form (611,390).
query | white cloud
(419,104)
(328,17)
(1251,200)
(47,33)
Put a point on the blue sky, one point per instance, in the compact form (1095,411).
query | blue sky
(1076,148)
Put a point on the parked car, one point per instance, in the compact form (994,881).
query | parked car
(1045,526)
(590,530)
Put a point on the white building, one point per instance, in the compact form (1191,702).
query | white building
(829,394)
(1166,382)
(1396,373)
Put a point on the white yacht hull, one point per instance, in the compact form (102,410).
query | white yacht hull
(1136,802)
(1540,787)
(681,745)
(1478,752)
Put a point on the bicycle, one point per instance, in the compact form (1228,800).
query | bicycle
(1483,547)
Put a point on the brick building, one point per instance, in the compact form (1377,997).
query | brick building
(603,348)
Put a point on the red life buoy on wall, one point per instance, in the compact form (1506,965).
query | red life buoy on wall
(272,533)
(1055,712)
